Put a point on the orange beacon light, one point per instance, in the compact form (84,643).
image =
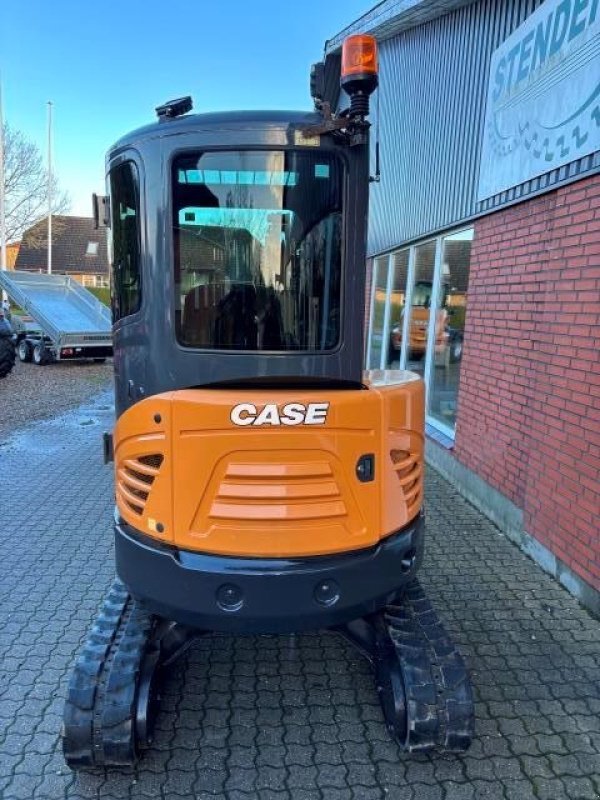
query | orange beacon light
(358,77)
(359,55)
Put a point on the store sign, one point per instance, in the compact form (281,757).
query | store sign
(543,102)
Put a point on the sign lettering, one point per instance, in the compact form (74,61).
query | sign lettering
(543,102)
(271,414)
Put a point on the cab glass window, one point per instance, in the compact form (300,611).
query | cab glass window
(125,235)
(257,250)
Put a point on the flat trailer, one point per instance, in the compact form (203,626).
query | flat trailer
(72,324)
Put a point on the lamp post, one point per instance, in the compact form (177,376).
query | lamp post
(2,197)
(2,189)
(49,187)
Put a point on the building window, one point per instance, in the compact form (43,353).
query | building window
(92,249)
(419,307)
(378,312)
(400,266)
(451,308)
(433,275)
(125,235)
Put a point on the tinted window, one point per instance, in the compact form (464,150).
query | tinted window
(257,246)
(124,203)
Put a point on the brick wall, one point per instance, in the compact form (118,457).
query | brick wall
(529,399)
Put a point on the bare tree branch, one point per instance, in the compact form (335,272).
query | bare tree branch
(26,186)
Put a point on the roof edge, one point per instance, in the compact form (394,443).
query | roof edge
(391,17)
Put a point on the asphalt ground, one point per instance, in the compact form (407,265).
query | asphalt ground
(292,716)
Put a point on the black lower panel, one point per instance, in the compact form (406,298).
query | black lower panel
(249,595)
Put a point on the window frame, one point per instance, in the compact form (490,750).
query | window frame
(170,244)
(126,159)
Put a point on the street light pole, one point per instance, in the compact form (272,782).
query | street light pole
(2,189)
(49,187)
(3,296)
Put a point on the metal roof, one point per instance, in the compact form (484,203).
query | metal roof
(391,17)
(220,120)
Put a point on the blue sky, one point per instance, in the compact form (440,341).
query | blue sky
(106,65)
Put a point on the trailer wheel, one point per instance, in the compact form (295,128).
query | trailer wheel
(41,356)
(24,351)
(7,356)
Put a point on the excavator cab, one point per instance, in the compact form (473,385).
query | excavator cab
(264,482)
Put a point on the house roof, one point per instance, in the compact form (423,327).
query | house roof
(391,17)
(71,237)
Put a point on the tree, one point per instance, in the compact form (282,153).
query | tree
(26,186)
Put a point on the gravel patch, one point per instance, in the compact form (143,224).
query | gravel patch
(31,392)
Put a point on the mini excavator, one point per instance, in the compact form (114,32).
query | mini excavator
(265,484)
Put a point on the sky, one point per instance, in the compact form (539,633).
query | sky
(106,65)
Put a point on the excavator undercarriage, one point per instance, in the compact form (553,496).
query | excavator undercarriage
(114,693)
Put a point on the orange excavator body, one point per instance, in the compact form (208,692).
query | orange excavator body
(252,474)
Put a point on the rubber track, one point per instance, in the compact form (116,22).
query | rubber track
(99,715)
(7,356)
(439,698)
